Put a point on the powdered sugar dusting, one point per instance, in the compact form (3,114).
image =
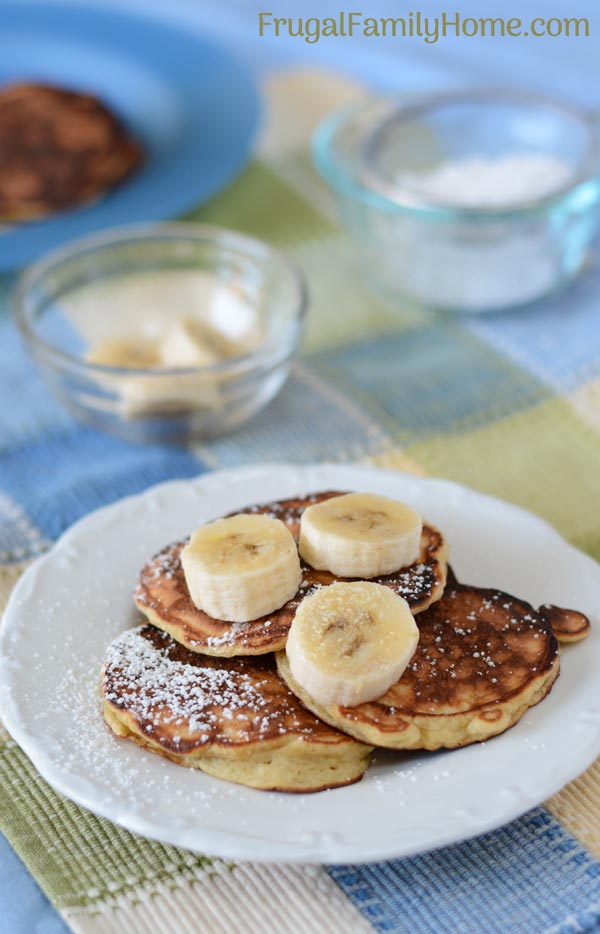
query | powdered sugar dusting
(184,700)
(157,688)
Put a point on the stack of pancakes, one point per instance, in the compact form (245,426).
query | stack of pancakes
(220,696)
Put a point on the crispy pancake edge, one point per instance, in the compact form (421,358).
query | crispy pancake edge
(423,732)
(293,766)
(568,626)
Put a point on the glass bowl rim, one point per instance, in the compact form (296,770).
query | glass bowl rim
(334,171)
(267,353)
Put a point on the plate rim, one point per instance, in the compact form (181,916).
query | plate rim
(223,843)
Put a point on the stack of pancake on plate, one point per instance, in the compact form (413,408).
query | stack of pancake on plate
(221,696)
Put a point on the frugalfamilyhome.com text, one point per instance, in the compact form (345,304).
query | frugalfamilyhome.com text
(348,24)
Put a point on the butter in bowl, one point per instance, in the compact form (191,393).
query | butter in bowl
(173,332)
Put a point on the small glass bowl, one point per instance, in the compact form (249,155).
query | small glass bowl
(449,256)
(135,281)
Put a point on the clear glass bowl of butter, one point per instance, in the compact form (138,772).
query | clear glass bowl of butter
(163,333)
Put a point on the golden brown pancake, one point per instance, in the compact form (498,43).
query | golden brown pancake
(482,660)
(232,718)
(162,593)
(567,625)
(58,149)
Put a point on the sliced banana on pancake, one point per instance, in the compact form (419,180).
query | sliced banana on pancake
(241,568)
(360,535)
(162,594)
(484,657)
(350,641)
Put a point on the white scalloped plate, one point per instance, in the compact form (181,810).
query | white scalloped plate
(75,599)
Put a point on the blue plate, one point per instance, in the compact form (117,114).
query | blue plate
(194,108)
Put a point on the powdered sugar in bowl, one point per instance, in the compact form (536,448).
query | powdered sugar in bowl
(465,201)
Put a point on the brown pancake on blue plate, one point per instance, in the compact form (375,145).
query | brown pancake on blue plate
(58,149)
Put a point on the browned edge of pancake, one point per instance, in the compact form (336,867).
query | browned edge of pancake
(567,625)
(120,730)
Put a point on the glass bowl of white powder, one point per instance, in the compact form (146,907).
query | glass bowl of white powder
(160,333)
(465,201)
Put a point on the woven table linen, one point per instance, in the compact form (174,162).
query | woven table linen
(509,405)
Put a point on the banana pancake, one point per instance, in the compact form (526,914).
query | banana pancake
(482,660)
(162,594)
(232,718)
(58,149)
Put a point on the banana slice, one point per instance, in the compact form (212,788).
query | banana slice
(166,394)
(360,535)
(187,345)
(350,641)
(126,352)
(241,568)
(180,347)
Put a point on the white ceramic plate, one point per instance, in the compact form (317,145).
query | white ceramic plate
(75,599)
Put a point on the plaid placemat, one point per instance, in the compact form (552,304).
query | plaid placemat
(509,405)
